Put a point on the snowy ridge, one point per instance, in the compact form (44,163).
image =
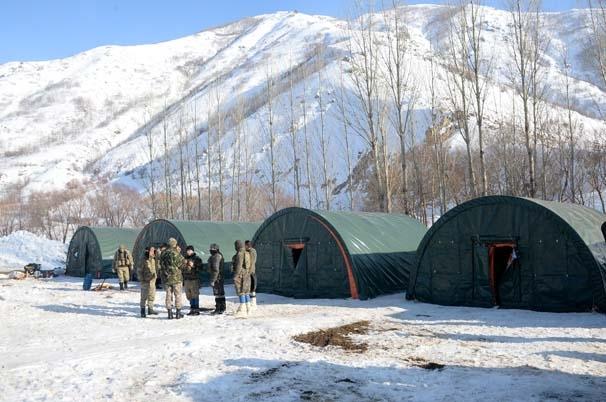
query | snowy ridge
(87,116)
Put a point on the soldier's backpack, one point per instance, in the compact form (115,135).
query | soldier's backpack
(167,261)
(123,258)
(247,261)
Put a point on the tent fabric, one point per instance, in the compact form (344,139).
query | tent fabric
(91,249)
(308,254)
(199,234)
(559,262)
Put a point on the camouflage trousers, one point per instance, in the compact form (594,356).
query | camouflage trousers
(173,292)
(192,288)
(148,293)
(123,274)
(253,282)
(242,283)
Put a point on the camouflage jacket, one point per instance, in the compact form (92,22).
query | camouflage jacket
(240,262)
(122,258)
(253,260)
(171,262)
(215,267)
(192,273)
(147,271)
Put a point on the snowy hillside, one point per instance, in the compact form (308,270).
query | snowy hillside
(87,116)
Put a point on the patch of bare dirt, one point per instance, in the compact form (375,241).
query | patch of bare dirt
(424,364)
(337,336)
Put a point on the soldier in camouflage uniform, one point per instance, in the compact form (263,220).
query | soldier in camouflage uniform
(253,275)
(215,267)
(240,264)
(172,263)
(159,252)
(147,276)
(122,264)
(191,280)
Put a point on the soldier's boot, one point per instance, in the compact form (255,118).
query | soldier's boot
(192,307)
(197,310)
(121,286)
(125,285)
(170,314)
(178,314)
(242,311)
(253,302)
(142,312)
(223,306)
(151,311)
(217,307)
(247,302)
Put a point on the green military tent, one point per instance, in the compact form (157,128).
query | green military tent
(515,253)
(91,249)
(199,234)
(309,254)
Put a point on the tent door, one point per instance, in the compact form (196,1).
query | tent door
(482,293)
(494,270)
(293,272)
(502,257)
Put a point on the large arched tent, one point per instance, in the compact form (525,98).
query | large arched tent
(91,249)
(309,254)
(199,234)
(515,253)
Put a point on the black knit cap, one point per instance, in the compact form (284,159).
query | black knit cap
(190,247)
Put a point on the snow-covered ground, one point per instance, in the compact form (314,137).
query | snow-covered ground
(59,342)
(21,248)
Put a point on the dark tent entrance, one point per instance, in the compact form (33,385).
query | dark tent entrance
(495,266)
(514,253)
(299,267)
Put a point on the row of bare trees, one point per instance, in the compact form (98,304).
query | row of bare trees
(387,93)
(56,214)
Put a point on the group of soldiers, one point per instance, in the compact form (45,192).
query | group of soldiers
(178,272)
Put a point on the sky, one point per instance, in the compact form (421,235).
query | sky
(50,29)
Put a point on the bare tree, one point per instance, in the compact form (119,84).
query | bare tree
(182,143)
(209,161)
(480,69)
(167,164)
(343,116)
(326,183)
(362,46)
(219,133)
(526,26)
(597,10)
(270,94)
(151,155)
(400,83)
(310,179)
(197,157)
(293,130)
(459,86)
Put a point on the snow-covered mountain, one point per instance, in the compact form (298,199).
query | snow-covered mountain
(87,116)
